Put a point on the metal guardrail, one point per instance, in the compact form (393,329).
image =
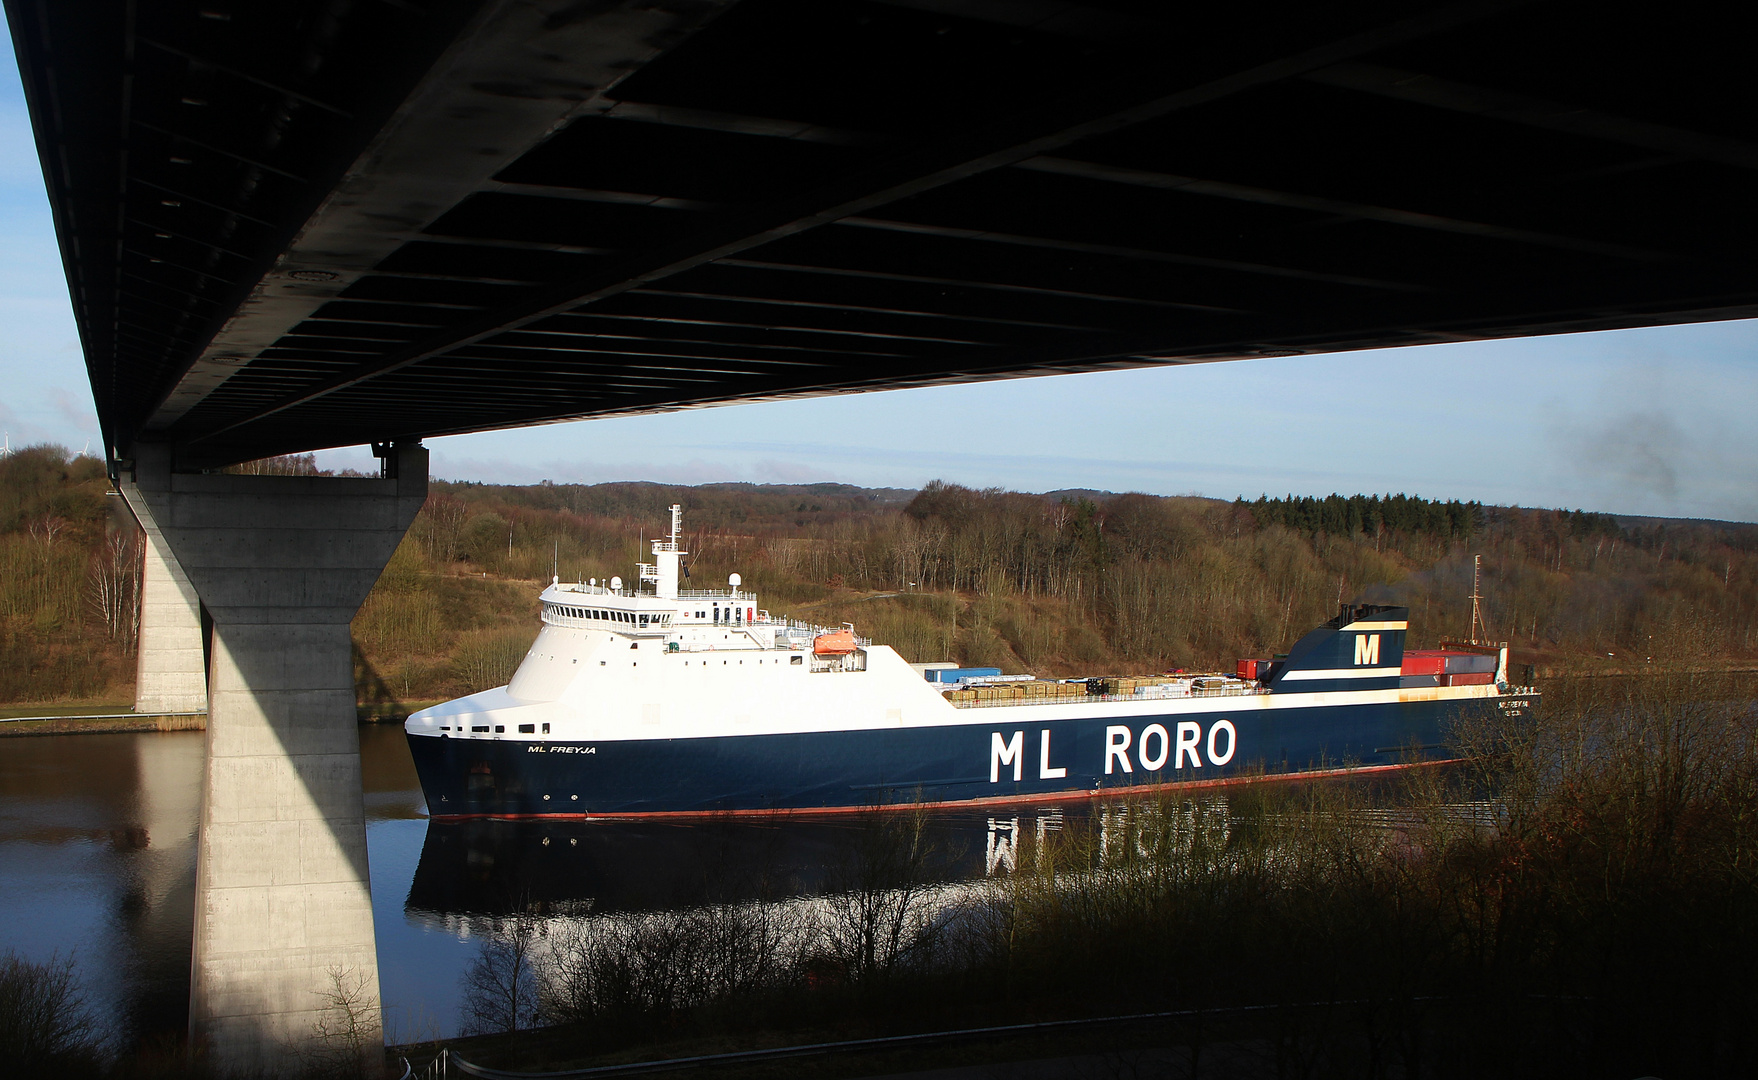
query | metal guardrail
(887,1042)
(104,716)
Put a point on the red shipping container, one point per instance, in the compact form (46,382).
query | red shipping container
(1424,662)
(1483,678)
(1253,669)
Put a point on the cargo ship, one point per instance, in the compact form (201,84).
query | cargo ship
(650,700)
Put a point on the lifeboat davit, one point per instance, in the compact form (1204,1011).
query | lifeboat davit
(836,642)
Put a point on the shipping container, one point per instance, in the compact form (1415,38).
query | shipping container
(1470,664)
(952,675)
(1471,678)
(1424,662)
(1254,669)
(1448,662)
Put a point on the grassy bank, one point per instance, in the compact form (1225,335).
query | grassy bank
(109,725)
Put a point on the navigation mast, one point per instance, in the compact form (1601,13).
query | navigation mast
(1479,632)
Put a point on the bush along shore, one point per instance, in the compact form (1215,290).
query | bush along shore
(1066,583)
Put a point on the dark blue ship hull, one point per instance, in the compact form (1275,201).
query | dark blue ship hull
(1013,758)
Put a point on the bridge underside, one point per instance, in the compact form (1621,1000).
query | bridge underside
(297,226)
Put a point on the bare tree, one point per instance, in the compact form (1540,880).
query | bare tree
(283,465)
(348,1031)
(47,528)
(500,986)
(113,587)
(46,1028)
(879,915)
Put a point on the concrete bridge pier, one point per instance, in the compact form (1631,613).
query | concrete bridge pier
(171,656)
(283,917)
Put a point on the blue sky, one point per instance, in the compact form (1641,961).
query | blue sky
(1658,421)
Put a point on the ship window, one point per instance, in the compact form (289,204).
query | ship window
(500,729)
(527,729)
(546,729)
(480,727)
(634,644)
(795,660)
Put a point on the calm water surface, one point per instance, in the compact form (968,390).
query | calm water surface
(97,862)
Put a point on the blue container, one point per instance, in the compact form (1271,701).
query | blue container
(952,675)
(1470,664)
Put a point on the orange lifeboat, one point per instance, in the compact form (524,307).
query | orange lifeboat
(836,642)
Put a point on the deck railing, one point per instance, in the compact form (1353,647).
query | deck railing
(1087,699)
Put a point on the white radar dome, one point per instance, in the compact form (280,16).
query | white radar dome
(734,580)
(616,582)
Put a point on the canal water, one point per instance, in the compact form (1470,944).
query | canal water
(97,863)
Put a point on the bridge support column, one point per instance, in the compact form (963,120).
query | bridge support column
(171,665)
(283,918)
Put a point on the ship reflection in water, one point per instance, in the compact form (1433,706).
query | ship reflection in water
(483,870)
(97,862)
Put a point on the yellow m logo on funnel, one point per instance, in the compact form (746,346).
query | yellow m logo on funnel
(1367,649)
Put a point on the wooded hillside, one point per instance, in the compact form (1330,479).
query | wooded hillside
(1056,584)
